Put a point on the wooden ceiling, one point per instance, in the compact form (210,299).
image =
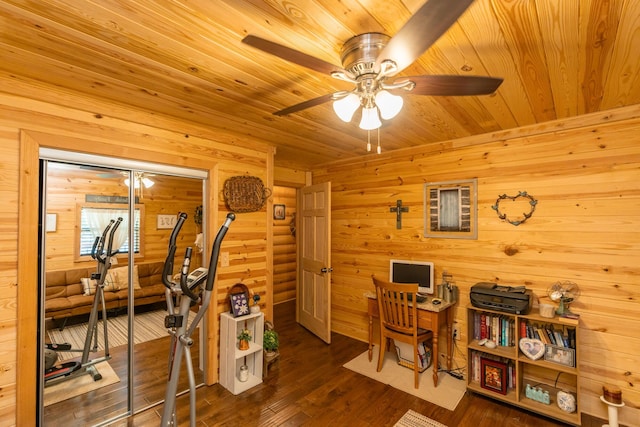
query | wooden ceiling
(184,58)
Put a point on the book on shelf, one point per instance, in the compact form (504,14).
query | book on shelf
(549,334)
(497,328)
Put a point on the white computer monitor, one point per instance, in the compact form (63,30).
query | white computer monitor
(420,272)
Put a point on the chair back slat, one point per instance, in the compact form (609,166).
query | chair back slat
(396,312)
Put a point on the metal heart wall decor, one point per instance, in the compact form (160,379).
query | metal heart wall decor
(532,348)
(525,215)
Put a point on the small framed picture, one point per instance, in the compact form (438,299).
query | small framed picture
(493,375)
(278,211)
(165,222)
(562,355)
(239,304)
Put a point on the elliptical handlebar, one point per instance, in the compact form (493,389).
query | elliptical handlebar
(98,244)
(168,264)
(184,272)
(213,263)
(111,234)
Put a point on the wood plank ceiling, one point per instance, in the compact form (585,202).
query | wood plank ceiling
(185,59)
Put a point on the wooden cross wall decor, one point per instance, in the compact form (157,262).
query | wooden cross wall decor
(399,209)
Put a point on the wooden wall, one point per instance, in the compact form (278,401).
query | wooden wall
(67,187)
(586,229)
(284,246)
(27,124)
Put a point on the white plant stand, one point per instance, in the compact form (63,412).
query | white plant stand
(232,358)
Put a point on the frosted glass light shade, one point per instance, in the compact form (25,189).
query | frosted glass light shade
(370,119)
(346,107)
(136,182)
(389,105)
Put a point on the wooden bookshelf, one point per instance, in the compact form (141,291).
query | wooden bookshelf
(549,376)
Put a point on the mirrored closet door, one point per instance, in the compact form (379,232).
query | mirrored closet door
(102,302)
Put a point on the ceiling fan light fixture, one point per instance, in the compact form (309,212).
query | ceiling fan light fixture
(346,107)
(370,119)
(389,104)
(147,182)
(136,182)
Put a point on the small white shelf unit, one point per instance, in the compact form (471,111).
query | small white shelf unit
(232,358)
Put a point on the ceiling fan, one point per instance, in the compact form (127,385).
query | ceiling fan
(372,60)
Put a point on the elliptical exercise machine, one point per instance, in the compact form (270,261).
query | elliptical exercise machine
(186,292)
(67,370)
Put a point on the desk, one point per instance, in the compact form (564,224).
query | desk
(430,317)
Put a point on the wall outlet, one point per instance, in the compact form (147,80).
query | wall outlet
(224,259)
(456,332)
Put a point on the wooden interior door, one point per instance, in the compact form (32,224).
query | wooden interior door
(314,281)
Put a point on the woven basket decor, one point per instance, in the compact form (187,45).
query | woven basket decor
(245,193)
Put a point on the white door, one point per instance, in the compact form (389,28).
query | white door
(314,280)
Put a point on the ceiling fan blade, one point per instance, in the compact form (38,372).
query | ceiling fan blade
(421,30)
(291,55)
(308,104)
(452,85)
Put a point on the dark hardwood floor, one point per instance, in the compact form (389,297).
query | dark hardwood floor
(309,387)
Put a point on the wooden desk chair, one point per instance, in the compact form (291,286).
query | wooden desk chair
(399,320)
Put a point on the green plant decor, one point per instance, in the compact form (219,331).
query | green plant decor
(245,335)
(270,341)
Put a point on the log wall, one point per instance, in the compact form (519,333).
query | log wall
(585,229)
(284,246)
(67,188)
(27,124)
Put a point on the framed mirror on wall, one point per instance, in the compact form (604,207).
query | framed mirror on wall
(127,325)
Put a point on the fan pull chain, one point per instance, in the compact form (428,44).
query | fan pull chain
(378,149)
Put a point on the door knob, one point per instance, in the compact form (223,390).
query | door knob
(326,270)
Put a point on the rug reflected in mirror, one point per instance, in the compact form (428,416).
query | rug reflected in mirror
(80,385)
(447,395)
(148,326)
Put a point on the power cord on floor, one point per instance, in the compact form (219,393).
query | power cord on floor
(457,373)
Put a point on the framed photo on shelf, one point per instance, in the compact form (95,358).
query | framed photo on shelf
(493,375)
(239,304)
(278,211)
(562,355)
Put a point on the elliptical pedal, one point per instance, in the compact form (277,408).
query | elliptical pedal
(62,370)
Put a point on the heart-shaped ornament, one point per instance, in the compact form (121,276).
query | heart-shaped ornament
(532,348)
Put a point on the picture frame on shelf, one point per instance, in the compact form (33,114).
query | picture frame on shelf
(493,375)
(279,211)
(239,304)
(561,355)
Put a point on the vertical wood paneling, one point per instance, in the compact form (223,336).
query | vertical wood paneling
(584,229)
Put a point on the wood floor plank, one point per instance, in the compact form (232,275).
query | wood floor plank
(308,387)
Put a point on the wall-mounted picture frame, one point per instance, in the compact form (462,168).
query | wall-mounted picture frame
(451,209)
(279,211)
(493,375)
(166,222)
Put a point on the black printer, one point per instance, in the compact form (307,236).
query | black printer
(508,299)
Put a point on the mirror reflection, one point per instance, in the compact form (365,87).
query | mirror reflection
(95,278)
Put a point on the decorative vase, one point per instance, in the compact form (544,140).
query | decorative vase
(243,345)
(255,308)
